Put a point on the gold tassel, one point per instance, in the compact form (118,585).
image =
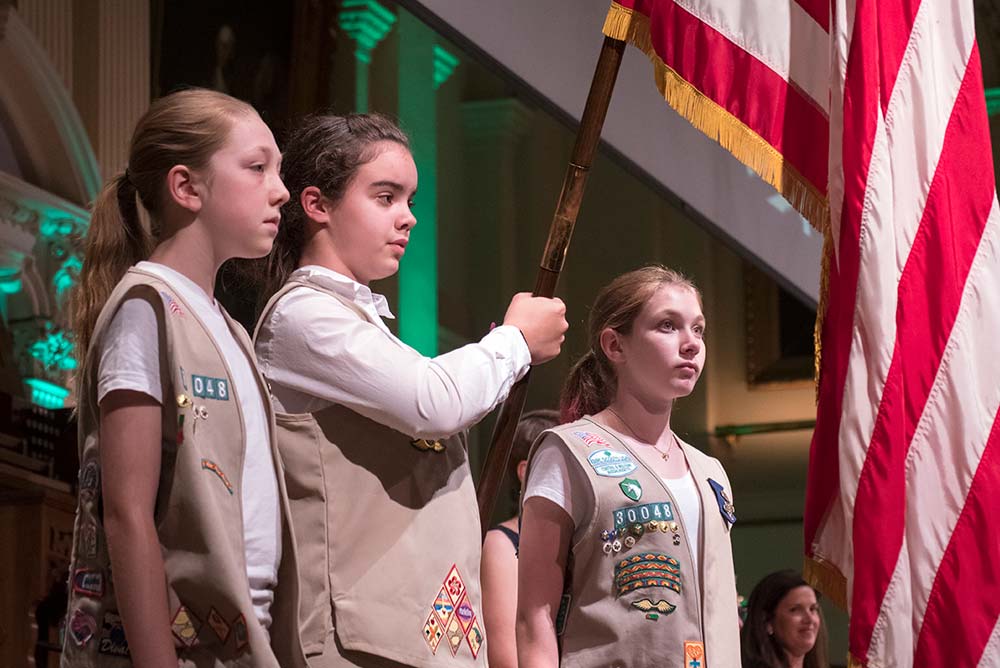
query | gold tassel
(743,143)
(827,579)
(852,662)
(824,298)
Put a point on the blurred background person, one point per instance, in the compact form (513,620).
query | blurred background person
(784,625)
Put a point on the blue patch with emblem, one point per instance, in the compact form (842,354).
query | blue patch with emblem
(725,505)
(206,387)
(647,512)
(113,640)
(611,464)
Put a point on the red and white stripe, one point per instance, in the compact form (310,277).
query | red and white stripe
(910,383)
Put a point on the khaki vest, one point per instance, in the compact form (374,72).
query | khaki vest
(633,596)
(388,534)
(198,510)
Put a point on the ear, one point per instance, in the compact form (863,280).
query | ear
(611,344)
(522,470)
(182,187)
(317,207)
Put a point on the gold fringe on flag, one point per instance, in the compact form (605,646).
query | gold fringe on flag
(827,579)
(852,662)
(701,111)
(824,297)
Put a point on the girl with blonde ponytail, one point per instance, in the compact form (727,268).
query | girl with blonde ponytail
(181,496)
(625,556)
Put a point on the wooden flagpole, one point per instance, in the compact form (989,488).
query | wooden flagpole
(560,232)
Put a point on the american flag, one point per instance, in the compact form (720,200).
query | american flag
(172,304)
(905,458)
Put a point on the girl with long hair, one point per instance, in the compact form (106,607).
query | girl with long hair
(371,431)
(181,495)
(625,557)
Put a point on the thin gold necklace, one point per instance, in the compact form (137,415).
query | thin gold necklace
(664,455)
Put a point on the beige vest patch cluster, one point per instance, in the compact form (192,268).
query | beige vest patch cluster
(198,508)
(388,534)
(634,596)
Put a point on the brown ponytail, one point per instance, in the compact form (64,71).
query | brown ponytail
(183,128)
(591,383)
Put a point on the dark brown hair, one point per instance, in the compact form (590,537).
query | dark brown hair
(183,128)
(528,428)
(591,383)
(325,151)
(763,650)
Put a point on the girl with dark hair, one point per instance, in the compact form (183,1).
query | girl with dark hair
(784,626)
(370,430)
(181,495)
(500,548)
(625,557)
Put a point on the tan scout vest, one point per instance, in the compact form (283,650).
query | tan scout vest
(198,509)
(388,534)
(632,595)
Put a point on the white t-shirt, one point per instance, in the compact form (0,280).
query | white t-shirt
(130,360)
(315,351)
(555,475)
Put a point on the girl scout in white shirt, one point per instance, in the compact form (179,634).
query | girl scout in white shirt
(382,495)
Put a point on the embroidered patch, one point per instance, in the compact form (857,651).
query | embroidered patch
(87,543)
(172,304)
(647,569)
(455,635)
(452,616)
(433,632)
(209,465)
(645,513)
(218,624)
(631,488)
(465,614)
(661,606)
(694,654)
(185,626)
(475,638)
(90,480)
(113,640)
(454,584)
(725,505)
(443,607)
(88,582)
(591,438)
(240,633)
(611,464)
(206,387)
(82,627)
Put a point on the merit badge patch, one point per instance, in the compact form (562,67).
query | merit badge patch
(240,633)
(591,438)
(452,616)
(611,464)
(475,638)
(87,544)
(209,465)
(88,582)
(694,654)
(113,640)
(433,632)
(455,635)
(206,387)
(631,488)
(185,626)
(725,505)
(218,624)
(647,569)
(82,627)
(648,512)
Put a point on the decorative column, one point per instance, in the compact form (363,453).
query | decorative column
(491,133)
(111,85)
(366,22)
(424,66)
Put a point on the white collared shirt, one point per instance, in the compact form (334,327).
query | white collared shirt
(315,351)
